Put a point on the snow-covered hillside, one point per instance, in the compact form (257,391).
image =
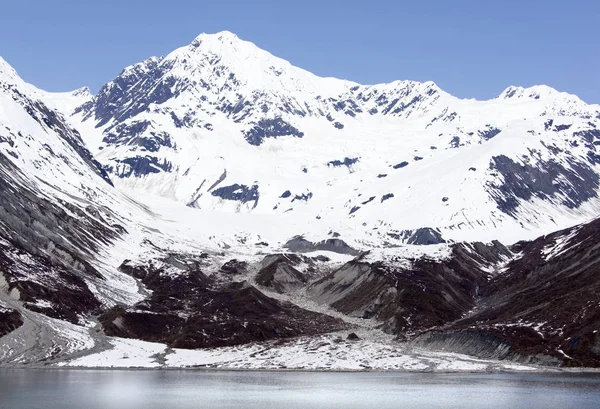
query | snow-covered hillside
(219,196)
(221,124)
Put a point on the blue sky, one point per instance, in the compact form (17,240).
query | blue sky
(472,49)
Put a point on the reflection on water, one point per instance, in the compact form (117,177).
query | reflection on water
(66,389)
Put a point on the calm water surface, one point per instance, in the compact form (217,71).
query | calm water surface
(66,389)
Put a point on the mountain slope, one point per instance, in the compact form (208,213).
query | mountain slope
(57,208)
(65,231)
(542,303)
(228,198)
(221,124)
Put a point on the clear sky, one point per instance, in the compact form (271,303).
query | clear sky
(470,48)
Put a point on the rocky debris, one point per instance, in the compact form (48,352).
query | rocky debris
(188,310)
(535,302)
(45,287)
(32,222)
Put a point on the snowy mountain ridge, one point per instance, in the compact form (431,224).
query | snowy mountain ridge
(221,124)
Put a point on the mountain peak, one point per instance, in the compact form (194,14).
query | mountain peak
(228,62)
(533,92)
(226,45)
(222,37)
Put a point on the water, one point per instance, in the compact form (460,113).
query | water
(79,389)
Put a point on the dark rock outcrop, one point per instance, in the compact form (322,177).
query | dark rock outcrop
(353,337)
(278,272)
(139,166)
(407,299)
(425,236)
(299,244)
(10,320)
(235,267)
(187,310)
(345,162)
(482,344)
(420,236)
(488,133)
(45,250)
(571,185)
(240,193)
(400,165)
(546,300)
(270,128)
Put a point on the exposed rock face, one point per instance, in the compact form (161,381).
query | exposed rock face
(534,303)
(47,237)
(301,245)
(45,250)
(235,267)
(278,272)
(421,236)
(10,320)
(53,120)
(571,184)
(408,298)
(425,236)
(546,302)
(45,286)
(138,166)
(187,310)
(240,193)
(112,98)
(46,246)
(270,128)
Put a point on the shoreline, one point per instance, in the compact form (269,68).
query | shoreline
(534,370)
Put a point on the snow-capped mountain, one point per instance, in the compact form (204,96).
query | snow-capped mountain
(221,124)
(219,197)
